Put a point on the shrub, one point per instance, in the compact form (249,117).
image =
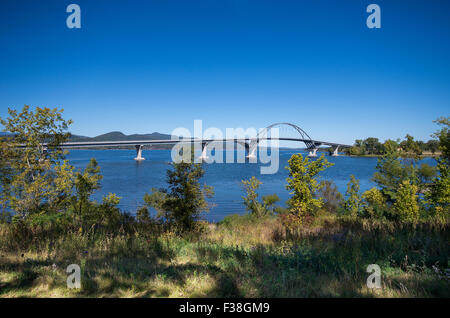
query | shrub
(373,202)
(406,207)
(352,204)
(331,196)
(303,185)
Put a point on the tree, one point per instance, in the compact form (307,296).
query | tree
(251,202)
(37,177)
(406,207)
(373,202)
(439,195)
(444,137)
(391,171)
(432,145)
(353,202)
(411,147)
(85,184)
(184,200)
(330,194)
(303,186)
(372,146)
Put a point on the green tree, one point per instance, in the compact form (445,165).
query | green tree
(406,207)
(330,194)
(410,147)
(391,171)
(184,200)
(303,186)
(438,195)
(251,201)
(352,203)
(37,177)
(86,183)
(373,203)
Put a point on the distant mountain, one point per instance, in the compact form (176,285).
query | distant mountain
(119,136)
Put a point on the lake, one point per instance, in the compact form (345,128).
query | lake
(130,180)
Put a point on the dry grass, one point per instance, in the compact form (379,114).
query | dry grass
(240,257)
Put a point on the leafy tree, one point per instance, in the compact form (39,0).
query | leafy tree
(444,137)
(372,146)
(303,186)
(251,201)
(391,171)
(390,146)
(330,194)
(406,207)
(184,200)
(269,203)
(374,203)
(352,204)
(439,195)
(86,183)
(411,147)
(432,145)
(36,177)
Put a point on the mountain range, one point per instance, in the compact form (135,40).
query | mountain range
(119,136)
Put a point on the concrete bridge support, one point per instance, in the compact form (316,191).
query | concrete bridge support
(204,155)
(313,152)
(335,152)
(251,151)
(139,153)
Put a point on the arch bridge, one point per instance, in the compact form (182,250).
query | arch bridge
(250,144)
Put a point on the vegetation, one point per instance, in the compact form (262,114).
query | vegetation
(319,246)
(408,147)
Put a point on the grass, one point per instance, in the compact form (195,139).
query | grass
(238,257)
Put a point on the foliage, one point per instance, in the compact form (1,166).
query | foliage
(85,184)
(352,203)
(252,203)
(438,195)
(406,207)
(391,172)
(185,199)
(36,177)
(374,203)
(410,147)
(332,198)
(303,186)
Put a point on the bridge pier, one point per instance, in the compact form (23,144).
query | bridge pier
(204,155)
(335,152)
(313,153)
(139,153)
(251,151)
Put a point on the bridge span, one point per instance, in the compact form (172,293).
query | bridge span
(250,144)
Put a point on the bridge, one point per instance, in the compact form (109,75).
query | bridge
(250,144)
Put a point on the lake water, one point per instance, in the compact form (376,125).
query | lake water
(130,180)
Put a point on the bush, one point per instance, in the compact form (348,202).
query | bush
(374,204)
(406,207)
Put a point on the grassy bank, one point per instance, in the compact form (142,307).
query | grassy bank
(239,257)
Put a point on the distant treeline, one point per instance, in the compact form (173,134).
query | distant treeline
(372,146)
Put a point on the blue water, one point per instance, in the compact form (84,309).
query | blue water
(130,180)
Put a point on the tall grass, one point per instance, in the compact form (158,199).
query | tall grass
(238,257)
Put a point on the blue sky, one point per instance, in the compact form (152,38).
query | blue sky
(145,66)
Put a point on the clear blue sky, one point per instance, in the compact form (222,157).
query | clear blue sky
(145,66)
